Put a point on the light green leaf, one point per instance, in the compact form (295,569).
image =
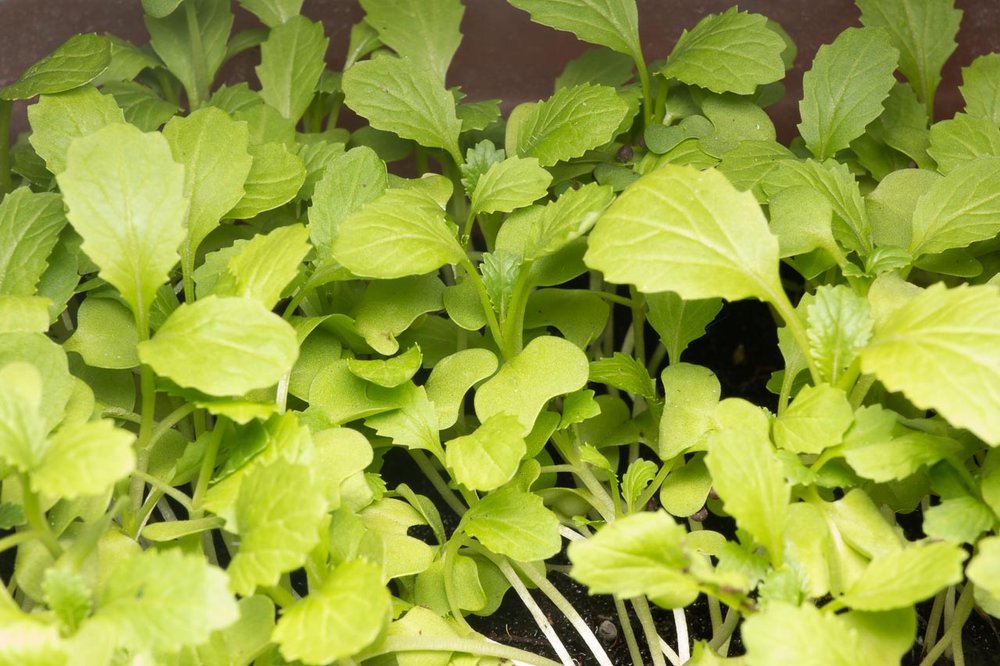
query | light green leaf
(816,420)
(22,430)
(78,61)
(924,33)
(105,335)
(687,231)
(277,518)
(882,458)
(566,125)
(159,8)
(265,265)
(514,523)
(610,23)
(56,120)
(275,177)
(166,600)
(680,322)
(981,87)
(291,60)
(959,209)
(691,394)
(84,459)
(786,635)
(389,307)
(426,33)
(352,180)
(958,519)
(625,373)
(339,619)
(213,149)
(579,314)
(942,350)
(68,596)
(222,346)
(30,224)
(601,66)
(488,457)
(963,139)
(170,530)
(640,554)
(638,475)
(905,577)
(403,232)
(452,377)
(730,52)
(802,219)
(478,160)
(141,106)
(171,38)
(749,479)
(513,183)
(125,198)
(839,324)
(388,372)
(403,97)
(479,115)
(24,314)
(685,490)
(273,13)
(984,569)
(50,361)
(844,90)
(545,368)
(413,424)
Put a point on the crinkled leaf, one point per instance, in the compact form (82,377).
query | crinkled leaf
(389,372)
(610,23)
(844,89)
(488,457)
(905,577)
(68,596)
(265,265)
(730,52)
(882,458)
(84,459)
(275,177)
(839,324)
(291,60)
(566,125)
(941,349)
(958,519)
(351,180)
(680,322)
(513,183)
(625,373)
(222,346)
(963,139)
(423,32)
(687,231)
(478,160)
(413,424)
(514,523)
(816,420)
(125,198)
(30,224)
(56,120)
(959,209)
(638,475)
(141,105)
(77,61)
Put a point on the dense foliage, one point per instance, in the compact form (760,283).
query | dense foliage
(221,315)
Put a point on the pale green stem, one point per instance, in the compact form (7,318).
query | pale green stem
(638,324)
(165,488)
(934,619)
(721,636)
(649,629)
(432,474)
(207,468)
(953,635)
(168,422)
(6,185)
(647,95)
(626,624)
(484,300)
(450,553)
(404,644)
(787,312)
(37,522)
(16,539)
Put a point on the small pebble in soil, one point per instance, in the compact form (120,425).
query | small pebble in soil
(625,153)
(607,632)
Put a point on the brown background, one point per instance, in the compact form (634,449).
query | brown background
(503,54)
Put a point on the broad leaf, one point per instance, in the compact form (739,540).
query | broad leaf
(339,619)
(403,97)
(291,60)
(610,23)
(816,420)
(488,457)
(844,90)
(277,518)
(50,362)
(942,350)
(172,39)
(600,66)
(566,125)
(125,198)
(680,322)
(958,519)
(786,635)
(30,224)
(273,13)
(222,346)
(403,232)
(984,569)
(84,459)
(452,377)
(426,33)
(687,231)
(839,324)
(78,61)
(413,425)
(691,394)
(981,87)
(963,139)
(22,431)
(959,209)
(265,265)
(514,183)
(514,523)
(56,120)
(350,181)
(275,177)
(730,52)
(905,577)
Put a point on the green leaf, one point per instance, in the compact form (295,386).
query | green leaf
(265,265)
(338,620)
(691,394)
(488,457)
(426,33)
(389,372)
(941,349)
(478,160)
(22,430)
(959,209)
(213,149)
(78,61)
(905,577)
(389,307)
(24,314)
(141,106)
(291,60)
(579,314)
(514,523)
(170,530)
(839,324)
(984,569)
(981,87)
(56,120)
(748,477)
(844,90)
(883,458)
(680,322)
(610,23)
(545,368)
(166,600)
(786,635)
(687,231)
(924,33)
(685,490)
(566,125)
(479,115)
(84,459)
(193,58)
(963,139)
(513,183)
(273,13)
(222,346)
(49,361)
(105,335)
(11,515)
(816,420)
(624,373)
(958,519)
(802,219)
(452,377)
(638,475)
(730,52)
(125,198)
(640,554)
(601,66)
(30,224)
(278,513)
(403,97)
(68,596)
(351,180)
(403,232)
(275,177)
(159,8)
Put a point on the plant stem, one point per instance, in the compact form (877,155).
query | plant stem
(861,389)
(649,629)
(207,467)
(626,623)
(779,300)
(721,636)
(446,493)
(638,324)
(403,644)
(16,539)
(280,596)
(168,422)
(165,488)
(450,553)
(647,89)
(953,635)
(37,522)
(6,108)
(484,300)
(293,304)
(934,619)
(683,639)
